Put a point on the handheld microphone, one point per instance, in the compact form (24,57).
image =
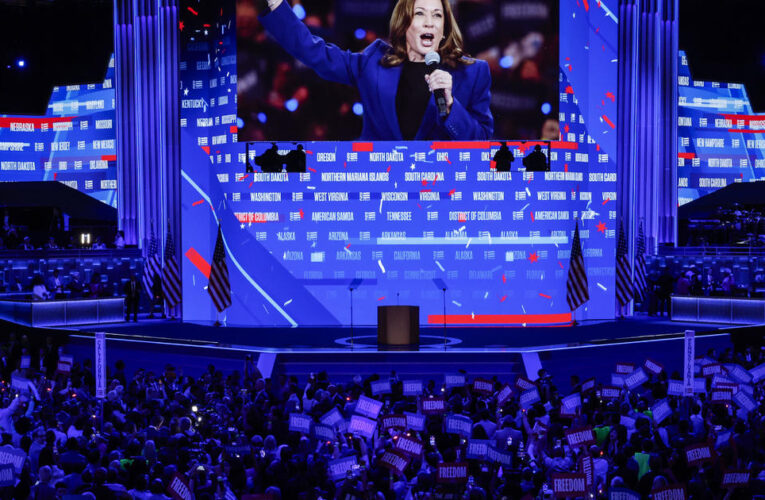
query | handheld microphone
(432,60)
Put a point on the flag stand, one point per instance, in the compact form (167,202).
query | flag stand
(217,319)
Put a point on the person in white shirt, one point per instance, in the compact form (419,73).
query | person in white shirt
(39,292)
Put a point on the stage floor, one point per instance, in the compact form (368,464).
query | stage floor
(458,339)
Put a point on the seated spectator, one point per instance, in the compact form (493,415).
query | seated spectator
(75,286)
(119,240)
(98,244)
(26,244)
(51,244)
(54,283)
(39,292)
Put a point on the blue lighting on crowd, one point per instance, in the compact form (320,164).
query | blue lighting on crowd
(360,33)
(299,11)
(291,105)
(21,63)
(358,109)
(506,62)
(546,108)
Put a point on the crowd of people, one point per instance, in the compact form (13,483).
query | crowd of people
(14,238)
(230,435)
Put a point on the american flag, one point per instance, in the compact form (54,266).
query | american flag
(577,290)
(171,277)
(623,275)
(219,287)
(640,281)
(151,266)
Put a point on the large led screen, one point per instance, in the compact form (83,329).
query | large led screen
(280,98)
(429,223)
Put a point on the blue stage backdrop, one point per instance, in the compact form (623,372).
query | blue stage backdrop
(73,143)
(399,221)
(722,140)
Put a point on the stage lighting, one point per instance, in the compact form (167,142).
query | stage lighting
(299,11)
(360,34)
(21,63)
(546,108)
(506,62)
(262,118)
(291,105)
(85,239)
(358,109)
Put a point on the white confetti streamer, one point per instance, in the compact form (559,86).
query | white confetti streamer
(602,287)
(440,267)
(456,303)
(288,302)
(468,243)
(379,263)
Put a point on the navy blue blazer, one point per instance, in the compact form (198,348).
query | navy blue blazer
(469,118)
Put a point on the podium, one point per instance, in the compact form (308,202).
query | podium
(398,327)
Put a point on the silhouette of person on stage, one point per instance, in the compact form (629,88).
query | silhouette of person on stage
(503,158)
(536,161)
(270,160)
(296,160)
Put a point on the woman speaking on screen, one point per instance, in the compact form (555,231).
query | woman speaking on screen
(420,86)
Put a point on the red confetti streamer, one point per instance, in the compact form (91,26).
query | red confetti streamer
(565,167)
(243,178)
(503,298)
(504,279)
(193,11)
(436,178)
(606,200)
(348,245)
(198,202)
(381,298)
(198,261)
(569,89)
(586,6)
(388,170)
(610,123)
(312,169)
(451,193)
(301,213)
(560,264)
(180,25)
(611,96)
(687,156)
(544,295)
(251,183)
(532,216)
(363,147)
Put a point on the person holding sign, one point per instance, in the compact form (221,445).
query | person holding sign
(405,95)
